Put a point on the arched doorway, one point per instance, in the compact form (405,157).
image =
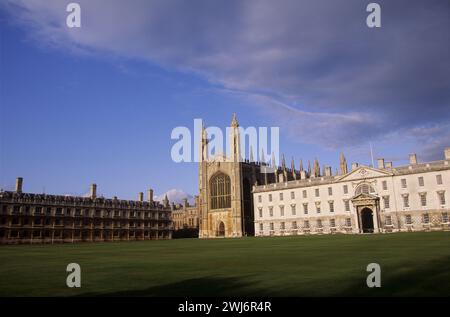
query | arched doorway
(367,220)
(221,229)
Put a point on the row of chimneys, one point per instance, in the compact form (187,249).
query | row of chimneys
(92,192)
(412,160)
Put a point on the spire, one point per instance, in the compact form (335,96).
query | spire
(283,162)
(294,176)
(316,168)
(301,165)
(234,122)
(235,144)
(263,159)
(204,144)
(309,168)
(273,163)
(343,164)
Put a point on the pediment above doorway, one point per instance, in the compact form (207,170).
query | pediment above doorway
(364,172)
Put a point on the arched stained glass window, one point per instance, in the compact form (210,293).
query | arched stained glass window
(220,191)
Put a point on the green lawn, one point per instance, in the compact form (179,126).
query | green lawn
(413,264)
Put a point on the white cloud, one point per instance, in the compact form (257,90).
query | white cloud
(311,65)
(175,195)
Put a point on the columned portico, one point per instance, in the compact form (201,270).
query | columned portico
(368,211)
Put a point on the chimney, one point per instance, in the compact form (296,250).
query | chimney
(94,191)
(447,153)
(19,181)
(141,197)
(328,171)
(413,159)
(381,163)
(354,166)
(388,164)
(150,195)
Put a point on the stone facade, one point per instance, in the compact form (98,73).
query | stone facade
(185,216)
(225,184)
(414,197)
(41,218)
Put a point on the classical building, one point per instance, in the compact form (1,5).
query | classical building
(414,197)
(225,188)
(41,218)
(185,216)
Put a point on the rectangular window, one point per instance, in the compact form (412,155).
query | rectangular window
(317,192)
(294,224)
(259,198)
(384,185)
(260,212)
(408,219)
(331,203)
(445,217)
(426,218)
(271,211)
(261,227)
(282,225)
(386,202)
(388,220)
(305,194)
(306,224)
(305,209)
(423,199)
(348,222)
(293,210)
(330,191)
(345,189)
(403,182)
(439,179)
(441,198)
(318,207)
(421,182)
(270,197)
(405,201)
(282,211)
(292,195)
(347,205)
(281,196)
(271,226)
(332,223)
(319,223)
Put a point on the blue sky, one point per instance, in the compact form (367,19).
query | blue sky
(98,104)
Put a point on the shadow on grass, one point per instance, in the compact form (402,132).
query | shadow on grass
(432,280)
(197,287)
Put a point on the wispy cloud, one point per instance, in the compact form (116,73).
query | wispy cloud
(312,66)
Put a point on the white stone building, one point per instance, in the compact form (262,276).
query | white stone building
(414,197)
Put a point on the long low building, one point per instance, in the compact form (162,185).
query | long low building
(414,197)
(41,218)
